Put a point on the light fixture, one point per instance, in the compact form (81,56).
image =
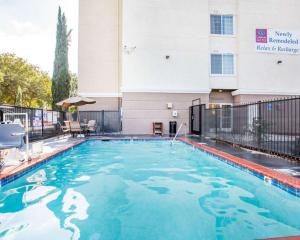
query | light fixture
(129,50)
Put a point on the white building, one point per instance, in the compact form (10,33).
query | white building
(139,55)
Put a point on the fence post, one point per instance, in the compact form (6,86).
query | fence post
(191,119)
(102,124)
(200,120)
(42,122)
(216,122)
(259,124)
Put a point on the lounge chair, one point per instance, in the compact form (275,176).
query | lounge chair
(91,127)
(75,128)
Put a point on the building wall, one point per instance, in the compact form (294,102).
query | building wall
(103,103)
(259,73)
(98,64)
(157,29)
(251,98)
(124,44)
(140,110)
(221,97)
(224,43)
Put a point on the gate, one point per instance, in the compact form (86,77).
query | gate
(196,119)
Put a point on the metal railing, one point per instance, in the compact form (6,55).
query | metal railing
(107,122)
(46,123)
(42,123)
(269,126)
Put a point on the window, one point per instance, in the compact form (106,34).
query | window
(222,64)
(221,24)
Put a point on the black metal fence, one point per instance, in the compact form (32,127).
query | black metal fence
(42,123)
(107,122)
(45,123)
(270,126)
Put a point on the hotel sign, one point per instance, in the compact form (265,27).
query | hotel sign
(277,41)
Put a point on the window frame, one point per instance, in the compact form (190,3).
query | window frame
(222,25)
(223,74)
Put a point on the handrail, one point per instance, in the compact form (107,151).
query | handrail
(172,142)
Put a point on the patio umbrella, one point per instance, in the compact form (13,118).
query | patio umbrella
(75,101)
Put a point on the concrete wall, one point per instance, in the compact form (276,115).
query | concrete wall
(98,64)
(140,110)
(220,97)
(178,29)
(249,98)
(259,73)
(106,103)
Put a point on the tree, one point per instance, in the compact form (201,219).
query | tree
(1,81)
(19,100)
(73,85)
(21,82)
(61,77)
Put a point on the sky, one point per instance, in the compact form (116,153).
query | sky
(28,29)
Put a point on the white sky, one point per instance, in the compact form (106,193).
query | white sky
(28,29)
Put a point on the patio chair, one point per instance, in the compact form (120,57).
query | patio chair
(75,128)
(66,128)
(91,128)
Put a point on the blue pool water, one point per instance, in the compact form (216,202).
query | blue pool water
(143,190)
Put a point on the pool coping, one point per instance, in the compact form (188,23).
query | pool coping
(285,182)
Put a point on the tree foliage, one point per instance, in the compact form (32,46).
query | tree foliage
(17,77)
(61,77)
(19,99)
(74,85)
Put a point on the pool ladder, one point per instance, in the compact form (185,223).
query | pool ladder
(181,125)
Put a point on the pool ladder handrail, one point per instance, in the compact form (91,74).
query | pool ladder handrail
(181,125)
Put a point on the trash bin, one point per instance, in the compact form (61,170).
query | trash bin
(172,128)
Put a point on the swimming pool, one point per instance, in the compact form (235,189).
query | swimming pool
(143,190)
